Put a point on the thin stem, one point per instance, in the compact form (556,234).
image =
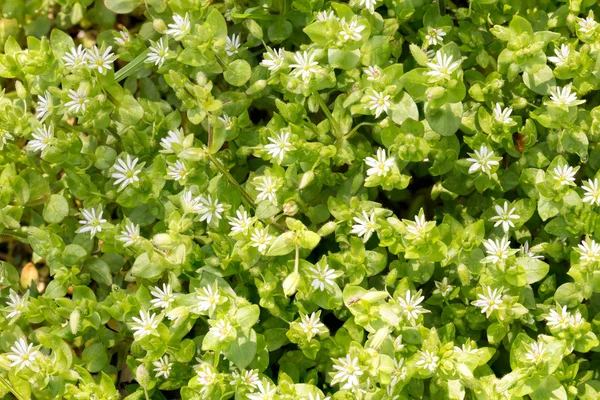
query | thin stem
(146,394)
(355,129)
(442,7)
(297,259)
(7,384)
(334,125)
(132,67)
(232,180)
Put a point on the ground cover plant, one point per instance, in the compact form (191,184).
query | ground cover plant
(299,199)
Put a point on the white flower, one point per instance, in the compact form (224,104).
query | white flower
(267,189)
(44,106)
(323,16)
(210,209)
(145,324)
(227,121)
(221,329)
(100,61)
(43,137)
(430,54)
(399,372)
(443,288)
(266,391)
(177,171)
(124,39)
(76,57)
(22,355)
(162,297)
(564,97)
(398,345)
(577,320)
(416,227)
(305,65)
(411,305)
(208,299)
(173,137)
(323,277)
(162,367)
(317,397)
(466,348)
(180,26)
(310,324)
(5,136)
(589,251)
(78,100)
(364,226)
(429,360)
(504,217)
(274,59)
(561,320)
(368,4)
(491,302)
(587,25)
(16,304)
(381,165)
(565,174)
(232,44)
(279,145)
(348,372)
(379,102)
(592,192)
(373,72)
(562,55)
(92,221)
(497,250)
(536,352)
(246,378)
(442,66)
(159,51)
(127,172)
(189,204)
(206,375)
(435,36)
(261,239)
(130,235)
(526,252)
(242,223)
(502,115)
(351,30)
(483,160)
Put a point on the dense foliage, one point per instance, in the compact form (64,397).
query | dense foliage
(298,199)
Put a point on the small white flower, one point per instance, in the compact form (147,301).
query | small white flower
(279,145)
(435,36)
(411,305)
(398,345)
(369,5)
(429,360)
(76,57)
(525,251)
(43,137)
(348,372)
(16,304)
(379,102)
(399,372)
(483,160)
(373,72)
(78,100)
(592,192)
(497,250)
(162,297)
(221,329)
(490,302)
(100,61)
(565,174)
(207,376)
(443,288)
(242,223)
(416,227)
(351,30)
(177,171)
(159,51)
(22,355)
(189,203)
(266,391)
(364,226)
(323,277)
(5,136)
(173,137)
(261,239)
(310,324)
(267,189)
(562,55)
(502,115)
(127,172)
(145,324)
(44,106)
(466,348)
(564,97)
(442,66)
(274,59)
(305,65)
(246,378)
(381,165)
(210,209)
(180,26)
(504,217)
(536,352)
(232,44)
(561,320)
(577,320)
(589,251)
(323,16)
(208,298)
(124,39)
(587,25)
(227,121)
(162,367)
(92,221)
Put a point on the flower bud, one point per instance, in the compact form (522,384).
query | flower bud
(290,284)
(142,375)
(159,25)
(377,339)
(328,228)
(290,208)
(29,273)
(75,321)
(306,179)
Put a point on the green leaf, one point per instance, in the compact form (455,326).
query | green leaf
(445,120)
(56,209)
(99,271)
(238,73)
(284,244)
(568,294)
(535,269)
(95,357)
(128,111)
(241,351)
(122,6)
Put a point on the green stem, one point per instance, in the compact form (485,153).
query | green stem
(355,129)
(7,384)
(334,125)
(146,394)
(132,67)
(442,7)
(232,180)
